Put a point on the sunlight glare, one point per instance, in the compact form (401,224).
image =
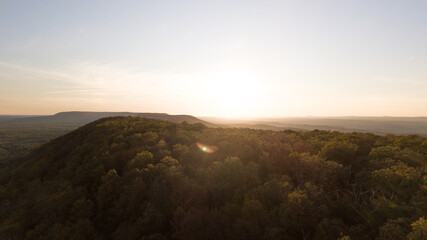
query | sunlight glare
(234,94)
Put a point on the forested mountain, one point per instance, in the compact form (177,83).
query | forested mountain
(20,134)
(80,118)
(136,178)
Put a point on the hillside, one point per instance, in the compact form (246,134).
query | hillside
(21,134)
(136,178)
(80,118)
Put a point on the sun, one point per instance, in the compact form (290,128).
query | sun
(234,94)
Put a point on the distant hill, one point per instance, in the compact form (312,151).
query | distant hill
(175,118)
(376,125)
(80,118)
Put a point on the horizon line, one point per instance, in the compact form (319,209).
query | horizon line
(229,118)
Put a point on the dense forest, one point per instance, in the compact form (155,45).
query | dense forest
(136,178)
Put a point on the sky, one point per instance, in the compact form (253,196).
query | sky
(232,59)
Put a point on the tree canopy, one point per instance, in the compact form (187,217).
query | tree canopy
(136,178)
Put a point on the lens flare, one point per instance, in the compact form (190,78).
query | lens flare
(205,148)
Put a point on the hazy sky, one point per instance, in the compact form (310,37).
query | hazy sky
(215,58)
